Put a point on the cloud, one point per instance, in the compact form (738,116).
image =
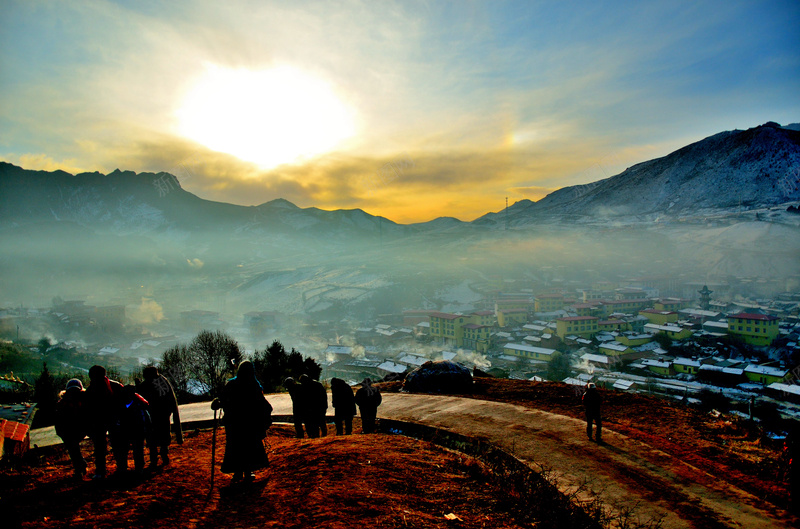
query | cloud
(195,263)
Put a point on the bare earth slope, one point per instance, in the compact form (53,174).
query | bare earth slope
(662,458)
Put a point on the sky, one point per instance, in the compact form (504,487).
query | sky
(410,110)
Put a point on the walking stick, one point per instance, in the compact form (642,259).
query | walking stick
(213,449)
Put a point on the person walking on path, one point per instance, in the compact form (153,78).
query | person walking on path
(299,410)
(591,404)
(157,390)
(70,423)
(344,406)
(103,407)
(317,401)
(247,417)
(368,398)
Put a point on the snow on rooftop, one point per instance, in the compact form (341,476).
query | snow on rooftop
(529,348)
(765,370)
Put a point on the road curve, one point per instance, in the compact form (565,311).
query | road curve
(623,471)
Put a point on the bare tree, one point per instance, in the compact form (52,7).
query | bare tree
(175,365)
(214,356)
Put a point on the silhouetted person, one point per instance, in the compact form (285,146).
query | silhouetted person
(135,426)
(591,404)
(368,398)
(246,420)
(316,397)
(158,392)
(103,406)
(71,423)
(298,405)
(344,406)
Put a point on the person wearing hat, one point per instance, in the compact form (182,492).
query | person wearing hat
(71,423)
(591,404)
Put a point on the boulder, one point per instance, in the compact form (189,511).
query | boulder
(439,377)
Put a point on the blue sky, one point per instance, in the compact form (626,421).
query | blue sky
(471,102)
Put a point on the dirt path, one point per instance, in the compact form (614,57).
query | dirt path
(625,472)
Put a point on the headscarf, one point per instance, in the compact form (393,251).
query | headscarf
(246,375)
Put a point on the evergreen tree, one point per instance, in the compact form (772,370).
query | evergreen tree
(46,393)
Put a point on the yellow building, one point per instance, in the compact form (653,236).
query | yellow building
(627,306)
(513,303)
(673,304)
(754,329)
(585,309)
(462,330)
(549,302)
(528,351)
(673,331)
(659,317)
(447,328)
(686,365)
(629,294)
(632,339)
(765,374)
(477,337)
(512,317)
(658,367)
(613,325)
(584,326)
(614,349)
(483,317)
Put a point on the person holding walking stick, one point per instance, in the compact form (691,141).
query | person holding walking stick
(247,415)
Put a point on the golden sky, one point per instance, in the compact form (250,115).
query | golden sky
(411,110)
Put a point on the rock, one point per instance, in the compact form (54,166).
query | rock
(439,377)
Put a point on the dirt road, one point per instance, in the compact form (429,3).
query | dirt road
(626,473)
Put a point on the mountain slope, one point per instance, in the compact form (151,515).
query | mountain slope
(737,169)
(124,202)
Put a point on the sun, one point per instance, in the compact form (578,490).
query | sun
(268,117)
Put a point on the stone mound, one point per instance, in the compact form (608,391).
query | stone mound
(439,377)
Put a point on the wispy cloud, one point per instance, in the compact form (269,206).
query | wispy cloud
(489,99)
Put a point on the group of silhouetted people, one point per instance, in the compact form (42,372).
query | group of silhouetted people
(310,405)
(127,417)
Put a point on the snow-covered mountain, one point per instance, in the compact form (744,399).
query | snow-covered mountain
(734,170)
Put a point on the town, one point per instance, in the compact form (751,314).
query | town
(622,335)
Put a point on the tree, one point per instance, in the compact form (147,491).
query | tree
(44,345)
(214,356)
(273,365)
(175,364)
(559,367)
(46,393)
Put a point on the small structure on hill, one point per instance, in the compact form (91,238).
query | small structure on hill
(439,377)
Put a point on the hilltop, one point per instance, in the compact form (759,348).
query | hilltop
(392,481)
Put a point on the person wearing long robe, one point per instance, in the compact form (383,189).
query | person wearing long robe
(344,406)
(368,398)
(246,418)
(104,403)
(591,405)
(157,390)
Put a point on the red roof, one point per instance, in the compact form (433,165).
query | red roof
(15,431)
(578,318)
(550,296)
(484,313)
(445,315)
(750,316)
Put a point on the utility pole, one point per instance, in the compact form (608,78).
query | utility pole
(506,213)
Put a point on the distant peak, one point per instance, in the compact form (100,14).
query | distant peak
(280,203)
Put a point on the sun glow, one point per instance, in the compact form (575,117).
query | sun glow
(268,117)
